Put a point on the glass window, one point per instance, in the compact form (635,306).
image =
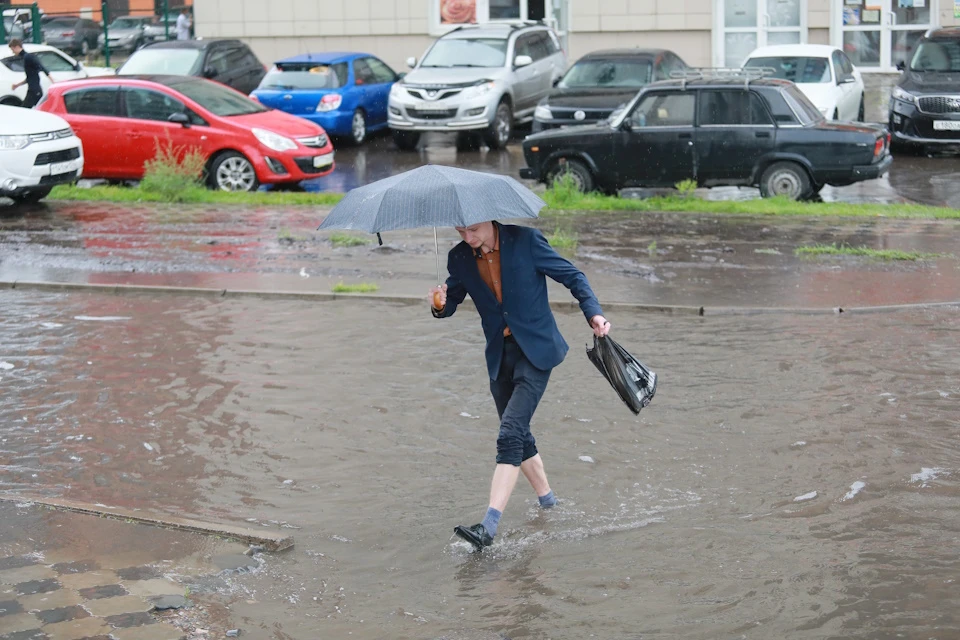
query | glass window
(362,72)
(224,60)
(937,55)
(524,47)
(595,73)
(174,62)
(783,13)
(144,104)
(538,44)
(553,45)
(466,52)
(863,47)
(740,13)
(306,76)
(795,69)
(54,61)
(217,99)
(732,108)
(664,110)
(500,9)
(736,47)
(801,105)
(381,71)
(92,102)
(249,59)
(14,63)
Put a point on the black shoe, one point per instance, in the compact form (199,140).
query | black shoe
(475,535)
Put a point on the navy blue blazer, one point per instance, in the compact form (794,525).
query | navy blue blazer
(525,259)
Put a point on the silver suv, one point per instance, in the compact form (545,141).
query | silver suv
(477,78)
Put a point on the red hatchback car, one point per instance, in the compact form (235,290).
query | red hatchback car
(122,120)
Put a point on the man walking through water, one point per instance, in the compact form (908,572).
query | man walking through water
(503,268)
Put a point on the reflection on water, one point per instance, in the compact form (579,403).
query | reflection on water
(374,443)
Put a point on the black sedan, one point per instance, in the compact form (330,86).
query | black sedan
(720,131)
(229,62)
(601,81)
(925,109)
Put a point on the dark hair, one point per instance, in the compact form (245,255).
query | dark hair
(15,42)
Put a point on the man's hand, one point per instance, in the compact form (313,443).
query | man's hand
(16,85)
(601,326)
(438,297)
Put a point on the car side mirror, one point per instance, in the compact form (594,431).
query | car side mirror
(846,80)
(181,119)
(78,66)
(556,81)
(901,66)
(210,72)
(411,62)
(522,61)
(401,76)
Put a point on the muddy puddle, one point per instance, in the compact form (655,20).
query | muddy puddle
(795,476)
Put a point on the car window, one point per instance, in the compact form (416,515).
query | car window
(216,98)
(144,104)
(101,101)
(305,76)
(737,107)
(14,63)
(615,73)
(664,110)
(523,46)
(838,65)
(846,64)
(362,72)
(174,62)
(220,60)
(381,71)
(800,103)
(538,44)
(553,45)
(249,59)
(54,61)
(805,70)
(941,55)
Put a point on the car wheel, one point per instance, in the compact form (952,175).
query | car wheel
(786,179)
(575,171)
(31,197)
(232,171)
(84,48)
(406,140)
(861,113)
(10,101)
(498,133)
(358,127)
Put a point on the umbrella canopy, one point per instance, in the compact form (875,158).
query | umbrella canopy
(433,196)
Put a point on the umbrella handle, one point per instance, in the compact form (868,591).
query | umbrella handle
(436,245)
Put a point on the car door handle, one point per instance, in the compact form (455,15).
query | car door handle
(685,136)
(762,134)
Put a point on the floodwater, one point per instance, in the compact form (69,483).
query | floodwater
(795,476)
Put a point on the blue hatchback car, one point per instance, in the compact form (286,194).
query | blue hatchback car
(345,93)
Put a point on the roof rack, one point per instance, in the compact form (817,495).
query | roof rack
(723,73)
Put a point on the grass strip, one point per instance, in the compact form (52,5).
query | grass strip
(877,254)
(363,287)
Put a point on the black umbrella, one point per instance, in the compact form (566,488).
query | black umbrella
(433,196)
(630,378)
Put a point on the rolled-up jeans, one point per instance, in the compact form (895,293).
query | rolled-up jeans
(517,392)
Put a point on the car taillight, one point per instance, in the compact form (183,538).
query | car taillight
(330,102)
(254,98)
(67,34)
(878,147)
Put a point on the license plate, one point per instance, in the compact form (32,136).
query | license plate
(62,167)
(946,125)
(322,161)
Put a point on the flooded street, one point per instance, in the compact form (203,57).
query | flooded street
(796,476)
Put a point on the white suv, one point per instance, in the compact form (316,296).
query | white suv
(37,151)
(477,78)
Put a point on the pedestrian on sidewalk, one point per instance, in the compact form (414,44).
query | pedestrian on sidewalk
(503,268)
(32,68)
(183,24)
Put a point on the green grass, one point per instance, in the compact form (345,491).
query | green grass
(767,252)
(563,241)
(348,240)
(195,196)
(652,249)
(363,287)
(285,235)
(878,254)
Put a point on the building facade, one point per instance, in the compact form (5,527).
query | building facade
(876,34)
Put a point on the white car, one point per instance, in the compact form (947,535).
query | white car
(60,65)
(824,74)
(37,151)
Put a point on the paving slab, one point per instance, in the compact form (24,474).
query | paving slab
(51,600)
(159,631)
(27,574)
(77,629)
(150,588)
(116,606)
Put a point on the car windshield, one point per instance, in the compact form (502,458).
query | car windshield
(801,105)
(600,74)
(125,23)
(463,52)
(173,62)
(217,99)
(799,69)
(937,56)
(310,77)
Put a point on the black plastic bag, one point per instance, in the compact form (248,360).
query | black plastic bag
(633,382)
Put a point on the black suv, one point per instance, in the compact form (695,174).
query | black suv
(600,82)
(925,109)
(229,62)
(719,129)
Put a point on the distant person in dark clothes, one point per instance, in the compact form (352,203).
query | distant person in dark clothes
(32,67)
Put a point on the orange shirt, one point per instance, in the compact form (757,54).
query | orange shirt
(489,266)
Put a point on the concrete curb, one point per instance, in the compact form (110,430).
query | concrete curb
(685,310)
(268,540)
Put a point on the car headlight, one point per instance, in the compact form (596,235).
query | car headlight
(14,143)
(542,112)
(274,141)
(900,94)
(478,90)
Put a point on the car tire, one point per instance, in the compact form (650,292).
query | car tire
(232,171)
(10,101)
(406,140)
(358,127)
(861,113)
(787,179)
(32,197)
(578,172)
(497,135)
